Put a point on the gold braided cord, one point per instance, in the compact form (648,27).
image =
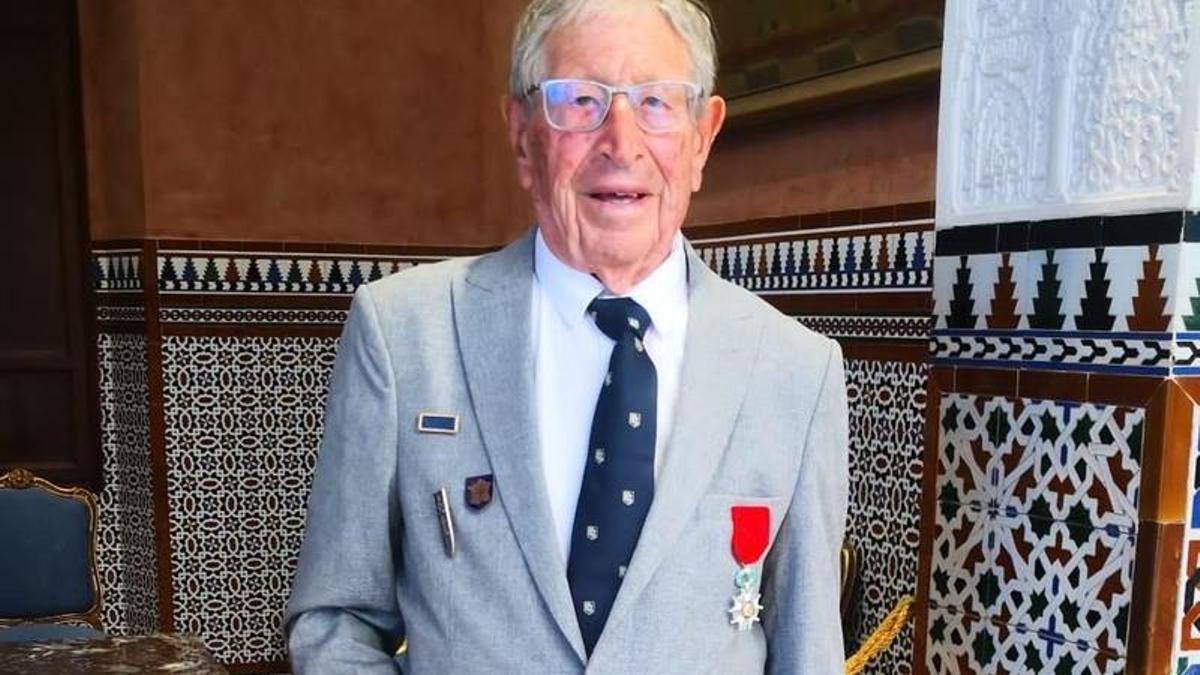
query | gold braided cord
(883,636)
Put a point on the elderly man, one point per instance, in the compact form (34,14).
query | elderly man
(584,451)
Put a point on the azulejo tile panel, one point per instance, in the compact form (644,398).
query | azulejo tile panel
(961,644)
(887,408)
(243,422)
(963,556)
(1067,581)
(1079,463)
(125,542)
(1036,520)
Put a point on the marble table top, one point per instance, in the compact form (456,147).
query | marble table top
(137,654)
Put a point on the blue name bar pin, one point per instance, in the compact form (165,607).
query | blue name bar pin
(433,423)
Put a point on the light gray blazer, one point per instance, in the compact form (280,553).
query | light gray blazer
(761,419)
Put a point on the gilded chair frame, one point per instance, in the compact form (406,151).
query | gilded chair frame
(22,479)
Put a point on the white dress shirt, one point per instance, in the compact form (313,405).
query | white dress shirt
(572,354)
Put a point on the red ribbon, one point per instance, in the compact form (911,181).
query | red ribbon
(751,532)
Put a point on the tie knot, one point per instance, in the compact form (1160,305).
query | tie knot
(617,316)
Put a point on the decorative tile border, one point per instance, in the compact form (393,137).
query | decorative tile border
(1112,289)
(858,327)
(1067,351)
(117,270)
(242,316)
(860,258)
(224,272)
(1118,295)
(1187,354)
(120,313)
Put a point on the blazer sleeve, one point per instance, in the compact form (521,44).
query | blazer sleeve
(802,617)
(342,616)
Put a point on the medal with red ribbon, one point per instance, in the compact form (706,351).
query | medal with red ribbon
(751,534)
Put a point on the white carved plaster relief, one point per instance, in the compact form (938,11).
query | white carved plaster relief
(1060,108)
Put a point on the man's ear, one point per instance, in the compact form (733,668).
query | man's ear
(516,117)
(707,128)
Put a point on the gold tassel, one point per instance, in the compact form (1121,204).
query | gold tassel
(883,636)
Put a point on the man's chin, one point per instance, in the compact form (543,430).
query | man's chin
(615,249)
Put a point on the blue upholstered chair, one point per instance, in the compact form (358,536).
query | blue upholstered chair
(49,584)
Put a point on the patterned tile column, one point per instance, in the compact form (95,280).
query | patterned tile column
(126,546)
(1065,328)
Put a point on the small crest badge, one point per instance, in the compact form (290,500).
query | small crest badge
(477,491)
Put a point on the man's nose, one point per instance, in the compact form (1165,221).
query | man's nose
(621,137)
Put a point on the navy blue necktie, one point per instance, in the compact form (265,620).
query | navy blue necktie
(618,481)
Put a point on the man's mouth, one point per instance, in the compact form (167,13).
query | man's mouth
(619,197)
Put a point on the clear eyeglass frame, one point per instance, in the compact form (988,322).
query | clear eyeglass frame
(652,119)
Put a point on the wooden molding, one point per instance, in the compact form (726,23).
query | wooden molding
(911,72)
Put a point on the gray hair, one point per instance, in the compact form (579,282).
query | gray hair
(690,18)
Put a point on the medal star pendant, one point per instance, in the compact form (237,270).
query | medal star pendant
(745,609)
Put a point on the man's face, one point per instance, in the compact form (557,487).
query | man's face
(581,182)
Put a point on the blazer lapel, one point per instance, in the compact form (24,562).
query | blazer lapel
(492,316)
(719,353)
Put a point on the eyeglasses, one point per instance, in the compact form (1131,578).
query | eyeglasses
(583,105)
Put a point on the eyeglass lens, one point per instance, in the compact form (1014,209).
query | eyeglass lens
(581,105)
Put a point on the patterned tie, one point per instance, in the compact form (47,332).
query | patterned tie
(618,481)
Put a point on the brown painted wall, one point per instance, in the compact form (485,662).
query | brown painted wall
(505,204)
(276,120)
(379,121)
(109,65)
(873,155)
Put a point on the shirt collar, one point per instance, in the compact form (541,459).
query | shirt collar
(663,294)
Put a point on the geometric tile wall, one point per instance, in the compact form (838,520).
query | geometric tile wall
(242,365)
(125,537)
(242,344)
(887,429)
(1034,535)
(243,422)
